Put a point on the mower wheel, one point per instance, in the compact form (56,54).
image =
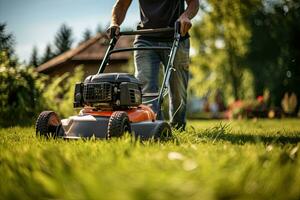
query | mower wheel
(118,124)
(47,124)
(162,130)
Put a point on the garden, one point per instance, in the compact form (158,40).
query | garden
(242,137)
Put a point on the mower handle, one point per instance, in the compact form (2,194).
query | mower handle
(147,31)
(176,30)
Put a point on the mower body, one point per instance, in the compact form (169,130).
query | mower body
(99,97)
(96,124)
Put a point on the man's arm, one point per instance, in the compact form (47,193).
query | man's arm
(119,11)
(187,15)
(118,15)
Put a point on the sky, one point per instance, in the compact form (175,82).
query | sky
(35,22)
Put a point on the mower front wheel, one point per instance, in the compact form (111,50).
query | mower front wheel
(47,124)
(118,124)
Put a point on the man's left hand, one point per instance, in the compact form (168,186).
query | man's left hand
(185,24)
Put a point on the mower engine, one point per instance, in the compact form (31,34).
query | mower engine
(108,91)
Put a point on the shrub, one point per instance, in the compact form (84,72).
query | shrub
(20,91)
(59,94)
(24,93)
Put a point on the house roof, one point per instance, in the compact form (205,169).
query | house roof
(90,50)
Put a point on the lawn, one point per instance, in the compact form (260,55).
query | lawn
(255,159)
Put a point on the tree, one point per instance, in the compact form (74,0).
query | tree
(48,54)
(274,50)
(63,39)
(248,46)
(7,41)
(99,29)
(34,60)
(221,39)
(87,34)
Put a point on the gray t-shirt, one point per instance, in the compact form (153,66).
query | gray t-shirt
(159,14)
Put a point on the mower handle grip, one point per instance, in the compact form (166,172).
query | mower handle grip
(147,31)
(176,30)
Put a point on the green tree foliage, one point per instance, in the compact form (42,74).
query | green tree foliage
(247,47)
(20,91)
(34,59)
(7,45)
(63,39)
(274,50)
(48,54)
(59,93)
(87,34)
(7,40)
(221,39)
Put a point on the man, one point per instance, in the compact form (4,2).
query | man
(161,14)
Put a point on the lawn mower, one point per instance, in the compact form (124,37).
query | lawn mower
(111,103)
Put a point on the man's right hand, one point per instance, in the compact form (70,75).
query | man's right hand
(113,31)
(117,17)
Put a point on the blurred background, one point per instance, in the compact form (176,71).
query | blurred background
(245,58)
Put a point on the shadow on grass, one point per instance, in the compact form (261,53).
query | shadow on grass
(222,133)
(245,138)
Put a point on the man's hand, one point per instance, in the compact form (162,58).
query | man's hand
(117,17)
(112,31)
(185,24)
(189,13)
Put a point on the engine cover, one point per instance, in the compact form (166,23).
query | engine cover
(109,90)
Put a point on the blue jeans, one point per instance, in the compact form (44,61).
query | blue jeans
(147,64)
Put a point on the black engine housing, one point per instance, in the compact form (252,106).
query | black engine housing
(108,90)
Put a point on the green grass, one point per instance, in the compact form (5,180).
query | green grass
(212,160)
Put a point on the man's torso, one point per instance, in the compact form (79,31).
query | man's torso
(159,14)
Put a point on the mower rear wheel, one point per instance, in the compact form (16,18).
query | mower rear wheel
(47,124)
(118,124)
(162,130)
